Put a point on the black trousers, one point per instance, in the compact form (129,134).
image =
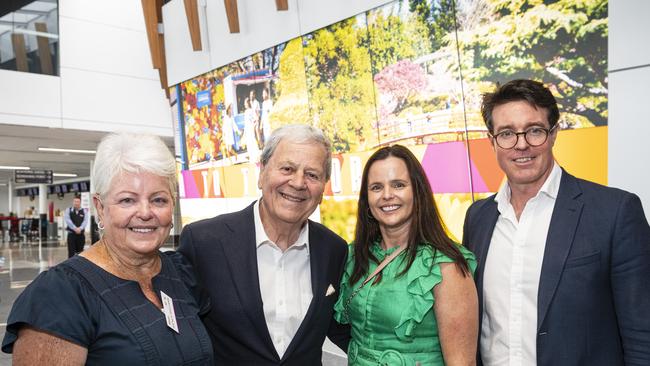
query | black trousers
(75,243)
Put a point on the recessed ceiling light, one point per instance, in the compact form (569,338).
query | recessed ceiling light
(77,151)
(10,167)
(64,174)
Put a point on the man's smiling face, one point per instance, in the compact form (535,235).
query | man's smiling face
(292,182)
(524,165)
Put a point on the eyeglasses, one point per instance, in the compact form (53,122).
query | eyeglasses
(534,136)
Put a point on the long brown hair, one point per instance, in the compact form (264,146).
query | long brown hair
(426,226)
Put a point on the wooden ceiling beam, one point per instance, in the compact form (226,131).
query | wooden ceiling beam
(152,10)
(151,20)
(232,14)
(282,5)
(162,71)
(192,14)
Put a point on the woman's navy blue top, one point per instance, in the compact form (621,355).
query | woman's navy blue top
(112,318)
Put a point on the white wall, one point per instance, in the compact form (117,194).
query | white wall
(106,81)
(629,79)
(261,26)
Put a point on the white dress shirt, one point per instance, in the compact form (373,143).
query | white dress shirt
(511,276)
(285,283)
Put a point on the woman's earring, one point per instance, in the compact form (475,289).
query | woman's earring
(100,226)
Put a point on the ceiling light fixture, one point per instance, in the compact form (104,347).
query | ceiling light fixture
(10,167)
(76,151)
(35,33)
(64,175)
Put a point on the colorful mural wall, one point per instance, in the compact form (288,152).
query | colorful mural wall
(410,72)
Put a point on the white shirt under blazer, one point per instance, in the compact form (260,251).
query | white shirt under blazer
(511,278)
(285,283)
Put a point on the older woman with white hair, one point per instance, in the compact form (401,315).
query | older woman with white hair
(122,302)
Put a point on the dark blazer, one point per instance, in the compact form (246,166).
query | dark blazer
(223,253)
(593,305)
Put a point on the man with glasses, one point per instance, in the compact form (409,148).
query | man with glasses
(564,264)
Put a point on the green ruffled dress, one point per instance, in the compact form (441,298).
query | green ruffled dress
(393,322)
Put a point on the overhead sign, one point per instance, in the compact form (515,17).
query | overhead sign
(33,176)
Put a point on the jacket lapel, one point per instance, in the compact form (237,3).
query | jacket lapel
(562,229)
(318,259)
(487,220)
(241,253)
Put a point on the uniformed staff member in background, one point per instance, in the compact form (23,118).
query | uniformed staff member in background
(76,220)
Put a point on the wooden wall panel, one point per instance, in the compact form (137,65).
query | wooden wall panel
(20,51)
(282,5)
(44,54)
(232,14)
(151,20)
(192,14)
(152,10)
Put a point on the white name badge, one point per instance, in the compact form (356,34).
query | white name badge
(168,310)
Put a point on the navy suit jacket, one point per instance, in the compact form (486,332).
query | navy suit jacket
(593,305)
(223,253)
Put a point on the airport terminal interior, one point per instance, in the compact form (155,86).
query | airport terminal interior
(369,73)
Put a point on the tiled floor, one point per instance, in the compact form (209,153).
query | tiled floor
(21,263)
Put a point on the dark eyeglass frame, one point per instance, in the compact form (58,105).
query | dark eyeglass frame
(547,131)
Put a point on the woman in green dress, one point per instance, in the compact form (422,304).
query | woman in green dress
(420,307)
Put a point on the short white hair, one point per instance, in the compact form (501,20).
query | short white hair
(120,153)
(298,133)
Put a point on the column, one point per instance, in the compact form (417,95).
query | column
(42,209)
(94,231)
(10,195)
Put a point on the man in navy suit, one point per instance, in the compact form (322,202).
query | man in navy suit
(564,264)
(271,274)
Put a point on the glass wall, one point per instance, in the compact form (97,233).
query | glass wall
(29,36)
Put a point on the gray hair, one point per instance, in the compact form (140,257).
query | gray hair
(120,153)
(298,133)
